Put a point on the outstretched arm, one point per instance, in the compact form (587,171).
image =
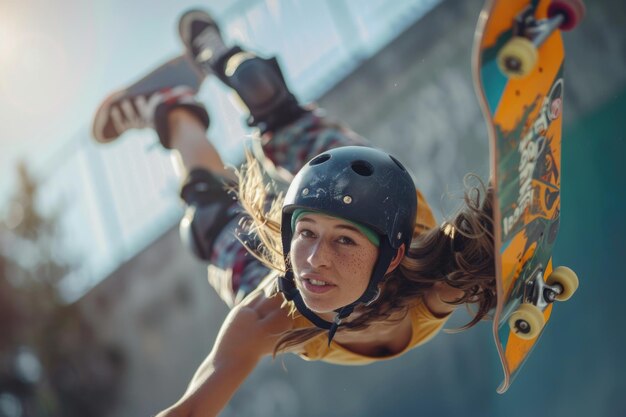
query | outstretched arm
(249,332)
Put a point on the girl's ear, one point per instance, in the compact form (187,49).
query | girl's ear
(397,259)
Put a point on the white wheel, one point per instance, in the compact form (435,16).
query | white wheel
(518,57)
(567,279)
(527,321)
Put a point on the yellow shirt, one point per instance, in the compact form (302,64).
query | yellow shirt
(425,219)
(424,326)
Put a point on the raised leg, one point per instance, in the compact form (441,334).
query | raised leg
(291,133)
(210,226)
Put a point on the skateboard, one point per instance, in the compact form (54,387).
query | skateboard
(517,65)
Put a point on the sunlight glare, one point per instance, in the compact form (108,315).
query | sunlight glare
(8,47)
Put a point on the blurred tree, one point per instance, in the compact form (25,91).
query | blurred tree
(51,358)
(10,316)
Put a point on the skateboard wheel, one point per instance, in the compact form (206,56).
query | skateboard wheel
(518,57)
(527,321)
(567,279)
(572,10)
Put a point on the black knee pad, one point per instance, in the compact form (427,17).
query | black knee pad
(262,88)
(210,208)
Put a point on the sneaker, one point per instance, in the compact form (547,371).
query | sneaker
(202,39)
(173,84)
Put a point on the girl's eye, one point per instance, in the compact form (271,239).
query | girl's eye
(306,233)
(345,240)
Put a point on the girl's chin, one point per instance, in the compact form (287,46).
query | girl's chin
(321,303)
(323,309)
(326,312)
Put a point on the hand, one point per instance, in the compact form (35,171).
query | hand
(250,331)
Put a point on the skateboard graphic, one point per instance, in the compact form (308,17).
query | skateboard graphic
(517,64)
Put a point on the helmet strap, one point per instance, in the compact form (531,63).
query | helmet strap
(385,256)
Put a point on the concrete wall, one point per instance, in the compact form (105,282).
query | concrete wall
(159,309)
(415,99)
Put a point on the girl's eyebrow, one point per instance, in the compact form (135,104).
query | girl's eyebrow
(348,227)
(339,226)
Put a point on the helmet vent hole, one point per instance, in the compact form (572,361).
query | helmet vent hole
(364,169)
(397,163)
(319,159)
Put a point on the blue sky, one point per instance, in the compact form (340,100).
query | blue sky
(59,58)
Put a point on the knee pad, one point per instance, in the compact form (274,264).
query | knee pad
(260,85)
(210,208)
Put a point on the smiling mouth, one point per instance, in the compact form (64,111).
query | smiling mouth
(316,286)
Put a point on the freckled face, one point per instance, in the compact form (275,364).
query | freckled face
(332,262)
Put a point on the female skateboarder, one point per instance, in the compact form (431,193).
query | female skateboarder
(347,267)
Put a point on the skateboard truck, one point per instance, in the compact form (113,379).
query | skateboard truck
(528,320)
(537,31)
(538,293)
(519,56)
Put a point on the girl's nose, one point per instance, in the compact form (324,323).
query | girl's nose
(319,255)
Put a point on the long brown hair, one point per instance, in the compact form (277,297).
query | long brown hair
(458,253)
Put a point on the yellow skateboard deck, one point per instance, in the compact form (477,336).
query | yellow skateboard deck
(518,76)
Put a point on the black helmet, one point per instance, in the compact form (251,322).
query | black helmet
(361,184)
